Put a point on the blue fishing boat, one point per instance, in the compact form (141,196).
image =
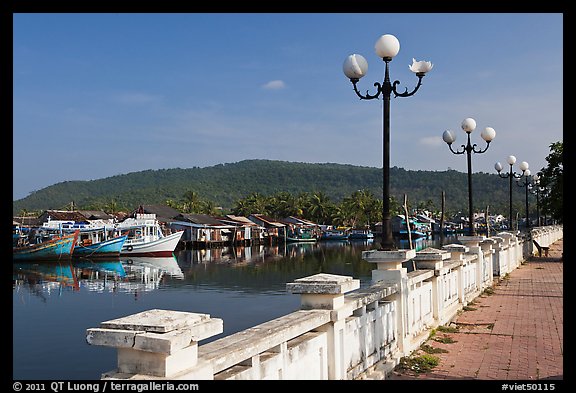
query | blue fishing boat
(333,234)
(55,248)
(93,243)
(362,234)
(414,234)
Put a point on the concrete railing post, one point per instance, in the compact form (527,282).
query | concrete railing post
(456,252)
(326,292)
(433,259)
(486,270)
(473,244)
(498,259)
(157,344)
(514,250)
(391,273)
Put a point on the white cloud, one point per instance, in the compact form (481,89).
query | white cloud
(274,85)
(432,140)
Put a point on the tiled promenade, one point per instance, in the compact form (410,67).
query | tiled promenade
(515,333)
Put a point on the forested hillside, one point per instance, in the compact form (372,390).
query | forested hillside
(224,184)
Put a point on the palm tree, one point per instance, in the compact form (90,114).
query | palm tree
(192,202)
(253,203)
(210,208)
(320,208)
(340,215)
(360,205)
(111,206)
(283,204)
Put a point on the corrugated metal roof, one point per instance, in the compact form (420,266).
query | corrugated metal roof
(240,219)
(267,220)
(200,219)
(95,214)
(63,215)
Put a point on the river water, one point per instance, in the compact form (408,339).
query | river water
(54,303)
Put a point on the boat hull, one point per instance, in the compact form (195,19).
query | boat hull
(54,249)
(301,240)
(361,235)
(163,247)
(106,248)
(333,236)
(413,234)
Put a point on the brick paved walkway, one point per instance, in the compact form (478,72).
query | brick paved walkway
(515,333)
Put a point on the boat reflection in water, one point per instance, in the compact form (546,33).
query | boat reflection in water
(137,274)
(44,278)
(118,275)
(153,268)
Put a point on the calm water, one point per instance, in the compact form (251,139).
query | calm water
(54,304)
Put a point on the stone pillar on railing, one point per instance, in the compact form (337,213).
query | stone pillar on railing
(547,235)
(159,344)
(456,252)
(509,244)
(433,259)
(498,258)
(390,272)
(521,247)
(474,247)
(473,244)
(487,270)
(326,292)
(525,248)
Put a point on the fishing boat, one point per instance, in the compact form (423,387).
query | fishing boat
(414,234)
(94,243)
(360,234)
(333,234)
(55,248)
(300,235)
(146,238)
(94,240)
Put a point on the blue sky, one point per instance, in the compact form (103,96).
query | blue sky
(101,94)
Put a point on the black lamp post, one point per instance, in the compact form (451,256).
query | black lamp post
(468,125)
(511,175)
(525,182)
(536,191)
(355,67)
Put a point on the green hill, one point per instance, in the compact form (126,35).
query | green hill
(226,183)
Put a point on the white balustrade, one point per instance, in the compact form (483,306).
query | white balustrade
(341,329)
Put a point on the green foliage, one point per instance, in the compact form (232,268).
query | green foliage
(344,194)
(552,182)
(447,329)
(430,349)
(419,364)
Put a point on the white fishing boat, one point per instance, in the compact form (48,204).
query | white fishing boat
(146,238)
